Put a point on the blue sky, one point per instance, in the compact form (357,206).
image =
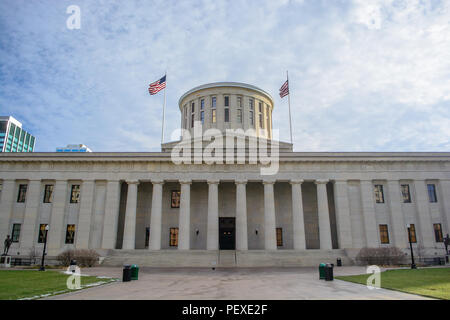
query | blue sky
(365,75)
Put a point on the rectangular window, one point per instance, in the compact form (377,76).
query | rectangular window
(384,234)
(175,200)
(227,115)
(412,233)
(42,233)
(21,197)
(193,107)
(432,192)
(239,102)
(192,120)
(379,195)
(239,115)
(202,104)
(267,118)
(173,237)
(202,117)
(75,194)
(406,195)
(15,235)
(48,193)
(438,232)
(227,101)
(261,123)
(213,102)
(70,233)
(213,115)
(279,237)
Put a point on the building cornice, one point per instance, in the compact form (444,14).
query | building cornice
(99,157)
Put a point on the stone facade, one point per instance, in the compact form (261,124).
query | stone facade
(324,204)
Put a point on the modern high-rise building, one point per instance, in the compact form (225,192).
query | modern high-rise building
(13,138)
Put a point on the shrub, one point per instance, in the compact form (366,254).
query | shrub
(380,256)
(84,257)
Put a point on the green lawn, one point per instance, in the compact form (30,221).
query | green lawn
(430,282)
(18,284)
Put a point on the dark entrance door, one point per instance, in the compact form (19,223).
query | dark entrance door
(227,229)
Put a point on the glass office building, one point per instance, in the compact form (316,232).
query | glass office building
(13,138)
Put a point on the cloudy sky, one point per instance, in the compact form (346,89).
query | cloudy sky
(365,75)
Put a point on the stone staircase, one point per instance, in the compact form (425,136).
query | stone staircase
(227,258)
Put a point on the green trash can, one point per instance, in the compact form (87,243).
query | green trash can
(134,272)
(322,271)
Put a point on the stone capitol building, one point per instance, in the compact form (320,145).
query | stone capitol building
(143,208)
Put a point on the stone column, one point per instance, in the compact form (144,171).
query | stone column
(298,222)
(129,232)
(110,221)
(6,203)
(241,215)
(324,215)
(270,236)
(368,210)
(84,216)
(343,222)
(28,231)
(56,226)
(184,222)
(212,242)
(423,214)
(156,215)
(398,227)
(445,196)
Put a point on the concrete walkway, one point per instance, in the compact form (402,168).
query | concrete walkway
(231,284)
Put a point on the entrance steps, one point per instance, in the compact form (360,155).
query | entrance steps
(225,258)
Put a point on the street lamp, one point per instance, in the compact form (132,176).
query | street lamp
(42,268)
(413,265)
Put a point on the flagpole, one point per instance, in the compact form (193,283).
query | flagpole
(289,102)
(164,109)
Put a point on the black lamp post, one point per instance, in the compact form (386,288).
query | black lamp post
(42,268)
(413,265)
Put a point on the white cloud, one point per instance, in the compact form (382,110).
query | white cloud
(365,75)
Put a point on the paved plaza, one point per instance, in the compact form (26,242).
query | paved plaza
(231,284)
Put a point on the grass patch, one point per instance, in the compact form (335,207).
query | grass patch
(430,282)
(20,284)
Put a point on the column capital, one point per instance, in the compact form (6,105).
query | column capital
(296,181)
(112,180)
(132,181)
(88,181)
(240,181)
(185,181)
(213,181)
(393,181)
(321,181)
(340,181)
(271,181)
(157,181)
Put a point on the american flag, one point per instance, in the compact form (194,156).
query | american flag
(284,90)
(157,86)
